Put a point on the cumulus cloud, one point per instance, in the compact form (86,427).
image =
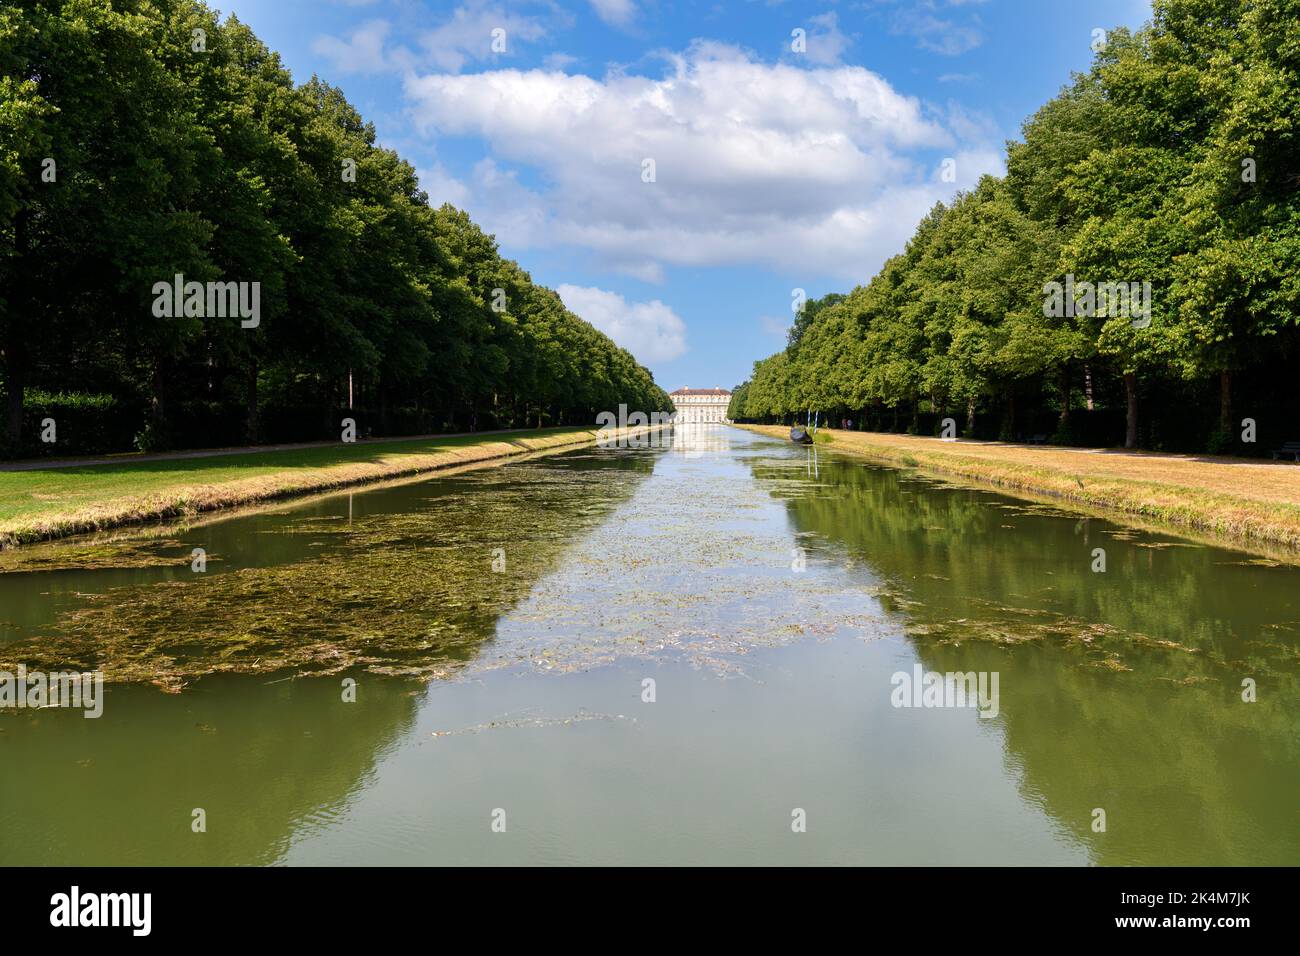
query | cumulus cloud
(823,169)
(651,331)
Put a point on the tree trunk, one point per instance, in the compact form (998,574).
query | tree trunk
(14,383)
(1087,386)
(1225,401)
(157,397)
(1065,395)
(250,416)
(1011,412)
(970,417)
(15,350)
(1131,422)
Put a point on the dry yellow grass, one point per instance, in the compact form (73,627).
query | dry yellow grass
(1243,500)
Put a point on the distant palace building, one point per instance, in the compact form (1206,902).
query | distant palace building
(697,405)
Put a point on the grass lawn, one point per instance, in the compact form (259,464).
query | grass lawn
(51,502)
(1238,498)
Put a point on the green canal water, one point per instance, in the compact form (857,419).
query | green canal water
(501,630)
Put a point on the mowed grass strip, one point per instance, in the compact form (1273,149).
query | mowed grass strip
(50,503)
(1241,499)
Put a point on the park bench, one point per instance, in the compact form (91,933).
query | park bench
(1290,450)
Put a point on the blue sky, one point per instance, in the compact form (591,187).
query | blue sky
(775,169)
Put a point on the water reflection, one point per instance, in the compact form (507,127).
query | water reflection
(261,761)
(1121,690)
(703,441)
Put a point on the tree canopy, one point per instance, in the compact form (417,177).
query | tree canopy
(1171,168)
(145,139)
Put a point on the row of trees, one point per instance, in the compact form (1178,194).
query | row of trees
(1175,161)
(144,139)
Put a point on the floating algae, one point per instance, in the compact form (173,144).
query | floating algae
(98,556)
(402,593)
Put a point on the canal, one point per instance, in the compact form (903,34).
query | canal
(695,653)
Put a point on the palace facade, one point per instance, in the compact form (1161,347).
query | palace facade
(700,405)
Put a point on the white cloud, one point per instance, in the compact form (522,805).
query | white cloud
(617,13)
(802,170)
(468,34)
(363,51)
(508,208)
(464,37)
(651,331)
(971,165)
(647,271)
(826,44)
(971,127)
(947,27)
(938,35)
(558,61)
(443,187)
